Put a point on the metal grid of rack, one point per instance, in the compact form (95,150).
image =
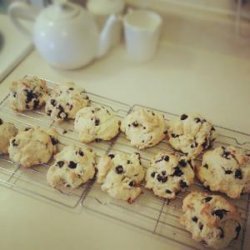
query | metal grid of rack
(160,216)
(149,213)
(32,181)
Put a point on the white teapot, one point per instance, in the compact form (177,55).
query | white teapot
(64,33)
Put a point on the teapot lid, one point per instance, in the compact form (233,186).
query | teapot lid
(105,7)
(61,10)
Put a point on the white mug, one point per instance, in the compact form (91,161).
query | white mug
(142,31)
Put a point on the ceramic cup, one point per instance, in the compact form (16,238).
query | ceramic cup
(142,31)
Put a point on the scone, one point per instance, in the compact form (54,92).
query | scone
(169,174)
(32,146)
(7,131)
(73,167)
(28,93)
(96,123)
(65,100)
(121,175)
(190,134)
(226,169)
(144,128)
(211,219)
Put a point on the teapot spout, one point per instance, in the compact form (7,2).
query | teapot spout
(110,35)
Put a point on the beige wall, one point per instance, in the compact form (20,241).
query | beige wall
(216,5)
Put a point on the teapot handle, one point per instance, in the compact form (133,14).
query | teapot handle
(21,10)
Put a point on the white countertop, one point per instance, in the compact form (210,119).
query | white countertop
(200,67)
(13,46)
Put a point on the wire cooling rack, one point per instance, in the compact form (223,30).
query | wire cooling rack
(160,216)
(32,181)
(149,213)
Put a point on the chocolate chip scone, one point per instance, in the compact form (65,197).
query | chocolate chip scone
(96,123)
(169,174)
(190,134)
(144,128)
(65,101)
(28,93)
(73,167)
(33,146)
(121,175)
(7,131)
(226,169)
(211,219)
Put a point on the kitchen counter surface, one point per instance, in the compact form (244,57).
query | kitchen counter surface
(190,73)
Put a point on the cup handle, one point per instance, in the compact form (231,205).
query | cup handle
(21,10)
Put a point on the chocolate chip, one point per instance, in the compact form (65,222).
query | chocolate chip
(197,119)
(165,132)
(53,102)
(212,129)
(54,141)
(30,95)
(237,230)
(111,156)
(144,127)
(14,94)
(71,89)
(177,172)
(98,140)
(182,163)
(163,172)
(238,174)
(195,219)
(129,162)
(62,114)
(153,174)
(80,152)
(219,213)
(72,165)
(159,177)
(119,169)
(135,124)
(153,113)
(166,158)
(27,129)
(228,171)
(36,104)
(205,144)
(97,122)
(174,135)
(207,199)
(201,226)
(60,163)
(14,143)
(221,233)
(131,184)
(168,191)
(205,166)
(183,184)
(1,121)
(49,112)
(226,154)
(184,117)
(164,179)
(194,145)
